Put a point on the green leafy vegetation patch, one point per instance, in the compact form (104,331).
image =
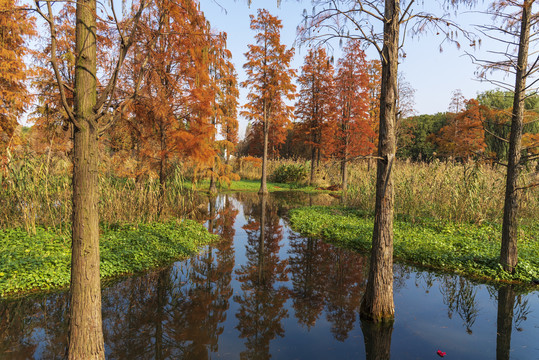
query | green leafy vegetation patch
(467,249)
(43,261)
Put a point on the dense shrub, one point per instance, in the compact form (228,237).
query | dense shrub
(290,173)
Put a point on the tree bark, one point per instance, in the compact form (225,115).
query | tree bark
(509,252)
(377,304)
(213,182)
(162,169)
(344,174)
(85,326)
(313,164)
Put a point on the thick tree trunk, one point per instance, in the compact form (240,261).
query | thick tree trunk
(506,303)
(85,326)
(263,186)
(509,253)
(377,304)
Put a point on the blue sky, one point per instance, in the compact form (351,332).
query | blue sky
(433,74)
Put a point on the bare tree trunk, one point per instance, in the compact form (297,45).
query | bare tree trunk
(263,186)
(313,164)
(506,303)
(213,182)
(85,326)
(344,174)
(509,252)
(377,304)
(162,171)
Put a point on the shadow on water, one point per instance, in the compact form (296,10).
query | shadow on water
(266,292)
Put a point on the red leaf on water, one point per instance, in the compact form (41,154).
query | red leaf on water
(440,353)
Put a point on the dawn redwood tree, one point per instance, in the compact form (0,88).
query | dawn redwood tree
(464,137)
(269,78)
(315,105)
(362,20)
(175,111)
(352,125)
(16,28)
(516,17)
(51,123)
(224,79)
(91,114)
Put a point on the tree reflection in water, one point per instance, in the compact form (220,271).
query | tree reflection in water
(185,311)
(325,277)
(21,320)
(177,312)
(377,338)
(510,306)
(459,296)
(261,303)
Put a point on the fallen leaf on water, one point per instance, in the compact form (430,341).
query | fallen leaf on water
(440,353)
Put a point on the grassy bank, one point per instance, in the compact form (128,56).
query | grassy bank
(249,185)
(462,248)
(42,261)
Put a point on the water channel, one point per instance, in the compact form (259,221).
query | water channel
(266,292)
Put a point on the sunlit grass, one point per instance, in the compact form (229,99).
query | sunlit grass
(462,248)
(42,261)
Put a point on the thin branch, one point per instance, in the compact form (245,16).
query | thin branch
(496,136)
(124,48)
(527,186)
(54,61)
(405,12)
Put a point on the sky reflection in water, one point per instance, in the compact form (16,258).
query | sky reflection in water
(266,292)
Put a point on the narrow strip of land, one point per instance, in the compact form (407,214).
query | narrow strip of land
(467,249)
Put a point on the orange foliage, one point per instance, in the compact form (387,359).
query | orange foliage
(256,162)
(173,117)
(51,125)
(315,107)
(269,78)
(464,137)
(530,142)
(16,27)
(353,127)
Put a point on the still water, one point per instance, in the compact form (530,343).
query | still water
(266,292)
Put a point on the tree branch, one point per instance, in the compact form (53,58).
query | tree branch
(124,48)
(54,61)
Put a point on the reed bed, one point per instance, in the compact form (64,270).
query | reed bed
(36,191)
(469,192)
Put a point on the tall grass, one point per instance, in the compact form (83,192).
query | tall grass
(36,190)
(470,192)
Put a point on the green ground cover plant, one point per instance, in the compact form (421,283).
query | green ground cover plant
(42,261)
(462,248)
